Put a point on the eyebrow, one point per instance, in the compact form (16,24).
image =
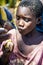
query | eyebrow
(24,16)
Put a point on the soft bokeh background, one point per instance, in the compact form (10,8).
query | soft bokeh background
(11,5)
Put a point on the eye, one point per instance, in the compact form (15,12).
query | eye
(27,19)
(17,17)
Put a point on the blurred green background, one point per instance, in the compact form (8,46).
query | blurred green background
(11,5)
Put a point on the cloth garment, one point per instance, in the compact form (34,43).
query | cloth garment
(34,58)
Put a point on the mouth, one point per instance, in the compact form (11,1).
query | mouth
(20,29)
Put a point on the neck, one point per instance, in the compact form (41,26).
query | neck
(33,33)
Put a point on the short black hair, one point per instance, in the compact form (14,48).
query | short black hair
(35,6)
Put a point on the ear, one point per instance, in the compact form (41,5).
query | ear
(38,20)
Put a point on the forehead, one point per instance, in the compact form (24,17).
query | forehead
(24,11)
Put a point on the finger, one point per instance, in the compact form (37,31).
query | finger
(3,44)
(3,30)
(7,45)
(4,37)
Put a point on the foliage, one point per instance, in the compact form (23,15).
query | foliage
(12,3)
(2,2)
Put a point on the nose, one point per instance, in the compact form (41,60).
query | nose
(21,23)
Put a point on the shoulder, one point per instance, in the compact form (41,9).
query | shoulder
(12,31)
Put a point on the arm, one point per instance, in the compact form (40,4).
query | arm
(6,47)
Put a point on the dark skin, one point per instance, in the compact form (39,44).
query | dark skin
(25,36)
(6,24)
(4,53)
(26,23)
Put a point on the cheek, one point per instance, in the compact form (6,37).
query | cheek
(27,25)
(31,24)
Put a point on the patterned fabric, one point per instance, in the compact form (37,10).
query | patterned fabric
(5,14)
(34,58)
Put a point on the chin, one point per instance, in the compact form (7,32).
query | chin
(22,33)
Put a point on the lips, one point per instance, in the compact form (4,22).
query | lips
(20,29)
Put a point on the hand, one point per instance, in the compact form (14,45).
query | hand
(6,46)
(2,38)
(9,35)
(13,37)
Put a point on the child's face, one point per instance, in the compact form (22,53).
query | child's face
(25,21)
